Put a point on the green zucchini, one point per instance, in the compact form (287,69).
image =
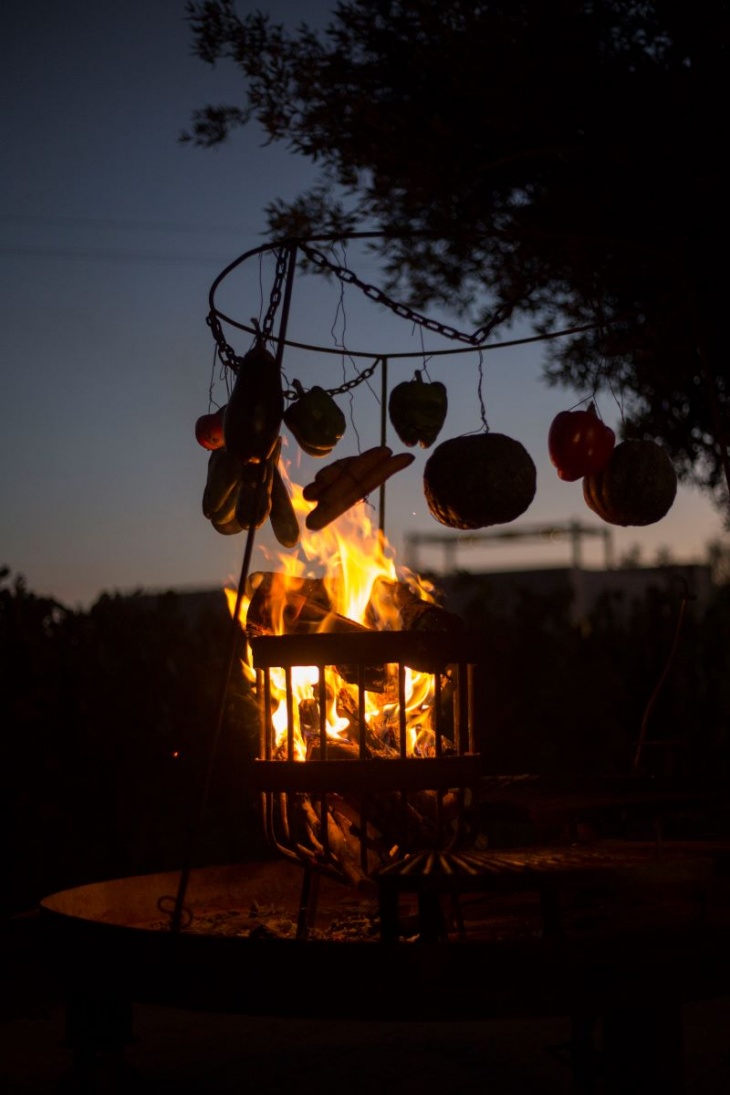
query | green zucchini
(284,523)
(221,486)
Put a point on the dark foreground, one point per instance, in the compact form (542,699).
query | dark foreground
(188,1052)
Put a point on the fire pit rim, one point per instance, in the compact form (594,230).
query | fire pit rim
(412,980)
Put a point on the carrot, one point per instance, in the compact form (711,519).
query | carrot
(324,477)
(351,466)
(348,490)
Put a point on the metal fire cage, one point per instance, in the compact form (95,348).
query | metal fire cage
(367,779)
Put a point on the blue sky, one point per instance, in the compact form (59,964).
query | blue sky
(111,235)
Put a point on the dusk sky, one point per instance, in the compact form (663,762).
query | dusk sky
(112,233)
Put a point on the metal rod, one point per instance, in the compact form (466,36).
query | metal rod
(292,243)
(289,715)
(286,304)
(267,730)
(383,435)
(361,710)
(471,710)
(463,721)
(322,690)
(192,836)
(362,754)
(235,631)
(403,740)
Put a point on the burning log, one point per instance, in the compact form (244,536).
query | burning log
(336,750)
(364,831)
(302,606)
(389,600)
(342,844)
(283,604)
(351,817)
(309,718)
(377,743)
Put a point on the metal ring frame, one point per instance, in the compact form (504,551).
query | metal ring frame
(292,242)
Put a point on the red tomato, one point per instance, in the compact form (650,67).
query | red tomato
(209,430)
(579,444)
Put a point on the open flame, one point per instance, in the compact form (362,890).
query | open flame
(355,565)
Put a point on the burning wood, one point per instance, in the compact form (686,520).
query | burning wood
(285,605)
(396,601)
(338,842)
(282,604)
(336,749)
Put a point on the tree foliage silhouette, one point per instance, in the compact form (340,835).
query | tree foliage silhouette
(560,162)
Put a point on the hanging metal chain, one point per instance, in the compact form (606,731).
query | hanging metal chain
(226,352)
(290,393)
(230,358)
(282,263)
(349,277)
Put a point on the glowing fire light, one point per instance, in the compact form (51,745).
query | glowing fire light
(349,556)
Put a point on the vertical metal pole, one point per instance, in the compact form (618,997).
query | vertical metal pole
(322,700)
(575,533)
(289,714)
(437,716)
(267,733)
(362,726)
(607,549)
(192,836)
(286,303)
(324,799)
(402,728)
(471,717)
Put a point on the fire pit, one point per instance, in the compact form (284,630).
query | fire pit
(390,781)
(111,947)
(112,936)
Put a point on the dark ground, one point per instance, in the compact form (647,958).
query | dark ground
(185,1053)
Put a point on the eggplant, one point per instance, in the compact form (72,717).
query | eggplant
(253,416)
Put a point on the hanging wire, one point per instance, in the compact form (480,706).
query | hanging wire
(403,310)
(480,392)
(211,383)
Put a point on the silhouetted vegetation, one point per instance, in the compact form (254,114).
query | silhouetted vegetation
(560,697)
(108,717)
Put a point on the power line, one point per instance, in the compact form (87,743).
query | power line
(108,256)
(119,224)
